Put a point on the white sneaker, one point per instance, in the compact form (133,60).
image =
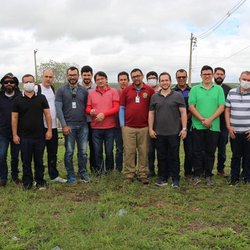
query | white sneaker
(59,179)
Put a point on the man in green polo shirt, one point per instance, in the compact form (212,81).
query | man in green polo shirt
(206,103)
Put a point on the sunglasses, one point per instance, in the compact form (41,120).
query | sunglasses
(9,81)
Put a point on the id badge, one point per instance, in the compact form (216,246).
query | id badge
(137,99)
(73,105)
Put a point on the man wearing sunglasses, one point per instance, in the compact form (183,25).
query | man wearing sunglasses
(183,88)
(9,91)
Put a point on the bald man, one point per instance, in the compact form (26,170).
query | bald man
(51,145)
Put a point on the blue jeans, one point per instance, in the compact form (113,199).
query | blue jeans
(14,152)
(119,149)
(240,147)
(32,148)
(222,142)
(106,137)
(79,134)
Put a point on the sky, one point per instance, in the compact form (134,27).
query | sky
(118,35)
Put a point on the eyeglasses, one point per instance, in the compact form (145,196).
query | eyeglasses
(137,76)
(181,77)
(9,81)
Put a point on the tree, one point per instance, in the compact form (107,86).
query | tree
(59,69)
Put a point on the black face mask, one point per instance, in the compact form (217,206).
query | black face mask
(8,90)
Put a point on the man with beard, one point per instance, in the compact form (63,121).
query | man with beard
(219,76)
(133,116)
(71,102)
(9,91)
(87,75)
(28,131)
(167,121)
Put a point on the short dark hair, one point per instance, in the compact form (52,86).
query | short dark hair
(134,70)
(165,74)
(181,71)
(100,73)
(86,68)
(28,75)
(219,68)
(207,67)
(123,73)
(152,73)
(71,68)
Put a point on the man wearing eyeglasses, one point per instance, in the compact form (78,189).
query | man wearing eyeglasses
(206,103)
(183,88)
(9,91)
(133,116)
(71,100)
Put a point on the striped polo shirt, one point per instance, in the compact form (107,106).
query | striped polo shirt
(240,110)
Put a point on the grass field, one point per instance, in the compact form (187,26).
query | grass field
(110,214)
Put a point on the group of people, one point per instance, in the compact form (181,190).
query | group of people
(140,120)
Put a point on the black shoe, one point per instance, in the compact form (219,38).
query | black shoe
(233,182)
(3,183)
(151,174)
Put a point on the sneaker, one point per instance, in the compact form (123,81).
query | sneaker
(71,179)
(41,186)
(196,181)
(161,183)
(176,184)
(59,179)
(144,181)
(233,182)
(209,181)
(85,178)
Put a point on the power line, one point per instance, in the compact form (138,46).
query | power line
(221,21)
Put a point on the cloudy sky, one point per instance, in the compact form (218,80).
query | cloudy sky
(117,35)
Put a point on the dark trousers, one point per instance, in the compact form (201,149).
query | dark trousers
(204,143)
(32,148)
(187,144)
(240,147)
(92,163)
(168,156)
(151,155)
(14,153)
(222,142)
(119,149)
(52,147)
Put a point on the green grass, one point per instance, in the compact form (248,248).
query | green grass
(86,216)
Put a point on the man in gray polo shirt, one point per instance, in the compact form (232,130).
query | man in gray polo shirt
(167,124)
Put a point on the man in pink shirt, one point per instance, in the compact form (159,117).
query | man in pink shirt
(102,105)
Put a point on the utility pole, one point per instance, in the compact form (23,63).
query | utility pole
(36,76)
(193,41)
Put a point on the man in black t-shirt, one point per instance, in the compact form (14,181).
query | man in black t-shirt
(28,131)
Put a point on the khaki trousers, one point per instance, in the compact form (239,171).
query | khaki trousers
(135,140)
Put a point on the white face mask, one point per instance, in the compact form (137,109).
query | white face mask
(29,87)
(152,82)
(245,84)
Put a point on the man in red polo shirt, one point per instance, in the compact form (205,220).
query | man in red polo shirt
(102,105)
(134,106)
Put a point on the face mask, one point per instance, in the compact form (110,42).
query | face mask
(152,82)
(29,87)
(245,84)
